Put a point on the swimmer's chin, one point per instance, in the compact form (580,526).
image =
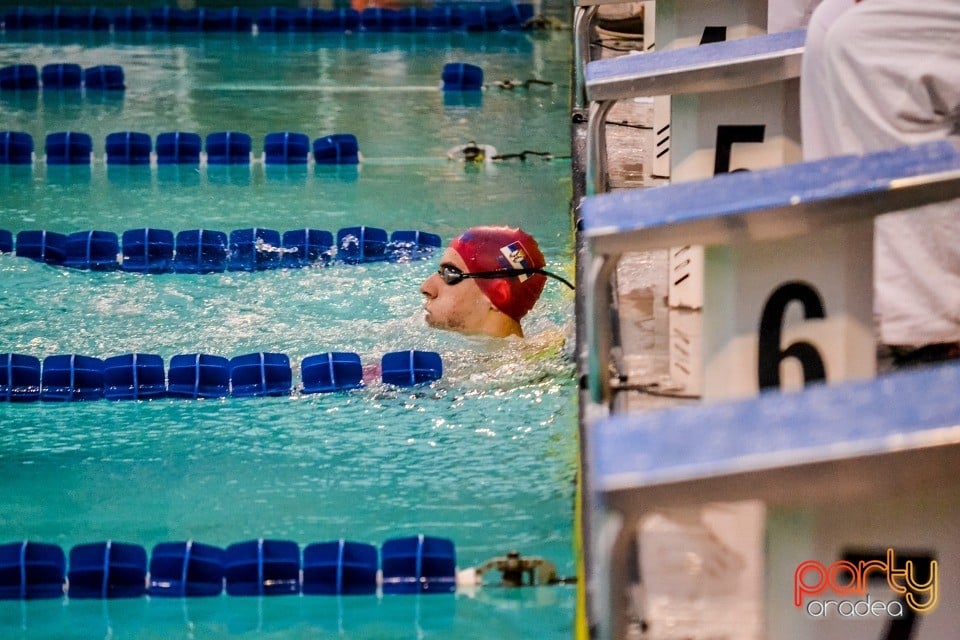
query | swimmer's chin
(433,323)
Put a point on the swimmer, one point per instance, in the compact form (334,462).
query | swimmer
(489,279)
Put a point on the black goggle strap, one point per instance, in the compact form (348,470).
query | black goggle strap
(504,273)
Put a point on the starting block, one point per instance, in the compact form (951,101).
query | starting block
(840,475)
(709,68)
(794,237)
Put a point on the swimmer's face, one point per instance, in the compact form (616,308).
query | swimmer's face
(461,307)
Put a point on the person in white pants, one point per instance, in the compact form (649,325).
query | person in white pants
(878,74)
(786,15)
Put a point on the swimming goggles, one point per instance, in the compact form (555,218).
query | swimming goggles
(452,275)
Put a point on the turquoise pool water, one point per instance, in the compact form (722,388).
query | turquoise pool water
(485,456)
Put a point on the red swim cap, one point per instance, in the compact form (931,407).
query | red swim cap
(496,248)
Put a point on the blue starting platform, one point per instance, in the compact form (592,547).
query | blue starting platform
(799,232)
(772,203)
(842,472)
(717,66)
(708,68)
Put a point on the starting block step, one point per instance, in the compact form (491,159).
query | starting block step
(750,449)
(719,66)
(835,455)
(773,203)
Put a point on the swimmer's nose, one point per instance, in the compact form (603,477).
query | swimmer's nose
(429,286)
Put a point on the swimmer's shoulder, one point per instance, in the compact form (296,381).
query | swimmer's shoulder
(549,343)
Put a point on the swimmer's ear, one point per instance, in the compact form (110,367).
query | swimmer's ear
(498,291)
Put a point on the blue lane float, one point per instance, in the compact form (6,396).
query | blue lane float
(228,147)
(274,19)
(263,568)
(220,20)
(319,20)
(134,376)
(416,239)
(147,250)
(254,249)
(515,16)
(418,564)
(19,77)
(481,18)
(130,19)
(16,147)
(446,18)
(307,19)
(21,18)
(412,19)
(333,371)
(60,18)
(141,376)
(304,247)
(168,19)
(181,147)
(378,19)
(49,247)
(106,570)
(336,149)
(186,569)
(198,375)
(61,75)
(69,378)
(104,77)
(475,16)
(412,244)
(361,244)
(286,147)
(68,148)
(93,250)
(260,374)
(408,368)
(32,571)
(339,567)
(178,147)
(460,76)
(19,377)
(200,251)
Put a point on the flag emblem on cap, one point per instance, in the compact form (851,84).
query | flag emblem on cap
(516,257)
